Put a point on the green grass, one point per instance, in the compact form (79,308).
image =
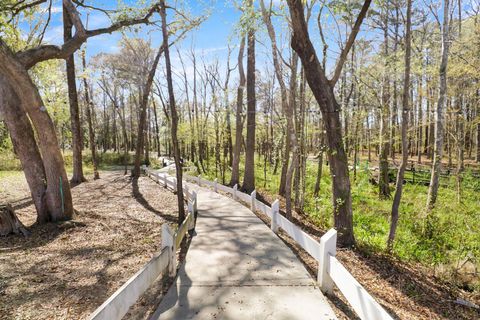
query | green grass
(107,160)
(444,237)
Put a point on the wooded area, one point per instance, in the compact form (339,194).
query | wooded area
(363,116)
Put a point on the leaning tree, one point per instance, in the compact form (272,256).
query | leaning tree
(30,126)
(322,89)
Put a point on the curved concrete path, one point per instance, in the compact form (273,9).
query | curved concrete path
(237,268)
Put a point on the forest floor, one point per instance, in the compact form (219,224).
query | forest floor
(67,270)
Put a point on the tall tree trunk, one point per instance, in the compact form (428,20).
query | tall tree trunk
(293,137)
(77,139)
(147,137)
(288,110)
(23,140)
(58,194)
(460,147)
(157,131)
(383,178)
(460,120)
(322,89)
(125,135)
(91,131)
(405,115)
(238,118)
(439,115)
(173,116)
(143,112)
(249,174)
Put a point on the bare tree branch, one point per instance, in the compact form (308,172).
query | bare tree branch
(350,41)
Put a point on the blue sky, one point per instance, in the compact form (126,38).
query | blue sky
(214,33)
(211,39)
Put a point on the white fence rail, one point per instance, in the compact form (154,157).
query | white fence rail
(118,304)
(330,270)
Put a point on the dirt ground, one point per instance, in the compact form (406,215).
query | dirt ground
(406,291)
(67,270)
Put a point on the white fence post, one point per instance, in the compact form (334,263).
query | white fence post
(328,247)
(235,188)
(253,196)
(275,212)
(169,241)
(190,216)
(199,180)
(215,182)
(165,180)
(174,184)
(194,199)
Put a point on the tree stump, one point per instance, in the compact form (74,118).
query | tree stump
(9,222)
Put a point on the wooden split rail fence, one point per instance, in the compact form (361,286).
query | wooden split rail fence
(118,304)
(330,271)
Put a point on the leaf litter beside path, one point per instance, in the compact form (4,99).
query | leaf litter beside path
(66,270)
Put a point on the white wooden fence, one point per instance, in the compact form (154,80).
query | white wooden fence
(330,271)
(117,305)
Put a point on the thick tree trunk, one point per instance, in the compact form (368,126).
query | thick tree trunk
(322,89)
(238,118)
(23,139)
(77,139)
(249,174)
(439,115)
(58,195)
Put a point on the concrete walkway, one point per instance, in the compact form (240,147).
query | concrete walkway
(236,268)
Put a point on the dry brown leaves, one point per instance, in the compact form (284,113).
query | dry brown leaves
(66,270)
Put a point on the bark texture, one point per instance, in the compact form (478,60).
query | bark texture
(58,195)
(9,222)
(23,139)
(322,89)
(77,139)
(173,116)
(249,174)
